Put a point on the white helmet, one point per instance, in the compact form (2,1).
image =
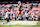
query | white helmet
(19,1)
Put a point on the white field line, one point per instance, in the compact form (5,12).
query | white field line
(20,22)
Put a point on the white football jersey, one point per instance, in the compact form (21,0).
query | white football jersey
(26,14)
(6,16)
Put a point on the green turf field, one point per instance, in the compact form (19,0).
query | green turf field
(20,25)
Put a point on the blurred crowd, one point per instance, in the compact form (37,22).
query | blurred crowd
(20,11)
